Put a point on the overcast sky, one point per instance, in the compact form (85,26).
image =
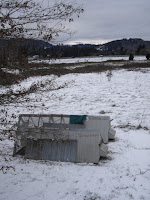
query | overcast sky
(106,20)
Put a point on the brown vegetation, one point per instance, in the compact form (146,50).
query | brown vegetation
(42,69)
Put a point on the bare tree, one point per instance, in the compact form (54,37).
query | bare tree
(36,19)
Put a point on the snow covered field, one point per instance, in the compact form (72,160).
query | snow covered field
(91,59)
(123,175)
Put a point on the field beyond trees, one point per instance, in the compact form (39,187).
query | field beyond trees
(10,74)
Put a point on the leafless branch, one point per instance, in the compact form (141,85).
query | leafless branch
(28,18)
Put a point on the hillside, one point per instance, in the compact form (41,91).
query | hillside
(44,49)
(126,46)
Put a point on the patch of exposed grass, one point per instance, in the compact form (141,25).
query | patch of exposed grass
(42,69)
(8,78)
(114,61)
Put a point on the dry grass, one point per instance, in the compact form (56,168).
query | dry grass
(42,69)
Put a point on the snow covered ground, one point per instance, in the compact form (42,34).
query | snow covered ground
(91,59)
(123,175)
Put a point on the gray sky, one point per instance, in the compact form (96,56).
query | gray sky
(106,20)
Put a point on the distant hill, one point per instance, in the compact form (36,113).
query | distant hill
(126,46)
(16,48)
(28,42)
(44,49)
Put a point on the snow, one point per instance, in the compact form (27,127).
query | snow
(12,71)
(26,84)
(124,174)
(90,59)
